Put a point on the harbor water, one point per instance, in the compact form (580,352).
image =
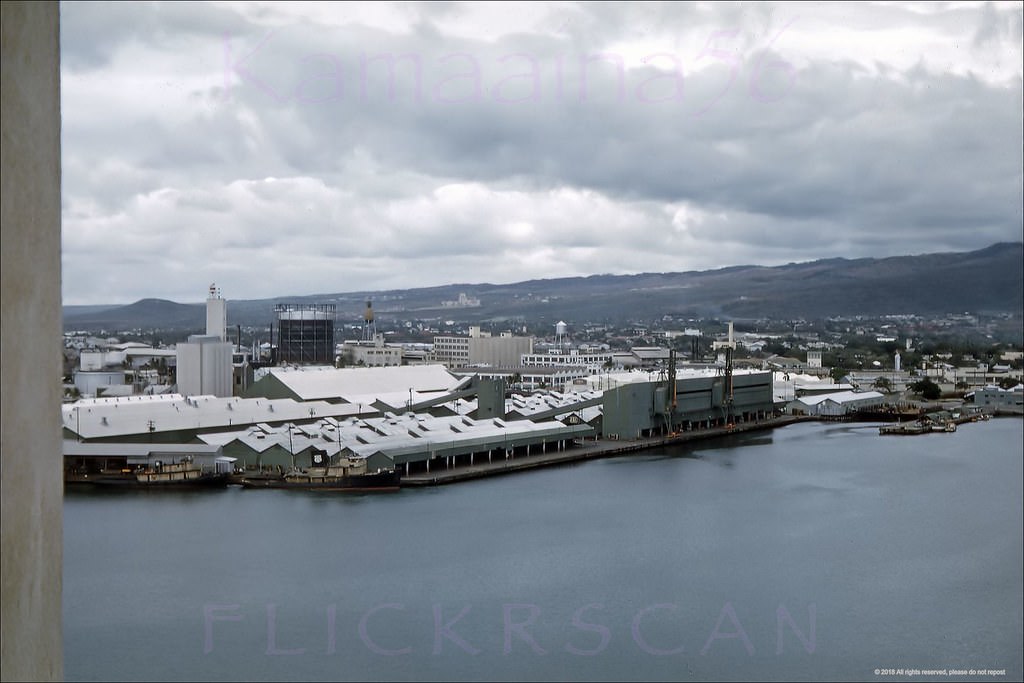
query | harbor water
(814,551)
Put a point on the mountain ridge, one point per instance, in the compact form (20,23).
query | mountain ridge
(990,279)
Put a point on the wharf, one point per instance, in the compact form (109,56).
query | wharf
(587,450)
(933,422)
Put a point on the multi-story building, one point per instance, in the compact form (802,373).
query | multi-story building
(480,348)
(593,362)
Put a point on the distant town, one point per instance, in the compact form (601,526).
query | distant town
(435,399)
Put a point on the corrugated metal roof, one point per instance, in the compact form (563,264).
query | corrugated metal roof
(543,402)
(321,383)
(839,397)
(394,436)
(111,418)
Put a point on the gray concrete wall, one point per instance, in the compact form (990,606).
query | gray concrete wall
(30,453)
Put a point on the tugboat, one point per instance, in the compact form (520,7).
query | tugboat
(185,473)
(346,475)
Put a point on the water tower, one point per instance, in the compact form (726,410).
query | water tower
(560,331)
(369,326)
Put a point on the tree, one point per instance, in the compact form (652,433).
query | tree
(928,389)
(883,384)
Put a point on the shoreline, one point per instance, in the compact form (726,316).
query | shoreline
(588,450)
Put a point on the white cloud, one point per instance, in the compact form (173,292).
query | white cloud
(794,132)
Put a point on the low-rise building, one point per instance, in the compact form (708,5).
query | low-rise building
(837,404)
(998,400)
(371,354)
(528,377)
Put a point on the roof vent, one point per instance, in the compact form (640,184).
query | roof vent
(103,420)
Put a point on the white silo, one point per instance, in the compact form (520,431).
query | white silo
(896,361)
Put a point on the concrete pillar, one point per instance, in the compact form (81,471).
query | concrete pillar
(31,462)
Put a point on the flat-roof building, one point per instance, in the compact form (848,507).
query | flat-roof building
(481,348)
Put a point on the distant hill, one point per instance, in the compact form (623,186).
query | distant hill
(990,279)
(145,313)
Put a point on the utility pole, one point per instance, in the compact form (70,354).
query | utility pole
(291,447)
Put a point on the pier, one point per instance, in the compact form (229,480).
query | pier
(587,450)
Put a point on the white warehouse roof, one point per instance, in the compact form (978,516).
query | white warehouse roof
(840,397)
(118,417)
(365,384)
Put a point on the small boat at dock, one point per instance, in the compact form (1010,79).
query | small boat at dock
(346,475)
(146,466)
(922,426)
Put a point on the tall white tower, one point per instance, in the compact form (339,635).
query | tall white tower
(216,314)
(896,362)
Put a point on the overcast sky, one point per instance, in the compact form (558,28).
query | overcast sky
(281,149)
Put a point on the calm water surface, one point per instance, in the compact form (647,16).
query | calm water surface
(811,552)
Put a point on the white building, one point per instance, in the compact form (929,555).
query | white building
(205,367)
(463,301)
(529,378)
(216,314)
(371,354)
(593,362)
(480,348)
(96,382)
(1001,400)
(204,363)
(837,404)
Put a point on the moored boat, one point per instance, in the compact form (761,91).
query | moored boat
(922,426)
(160,475)
(346,475)
(146,466)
